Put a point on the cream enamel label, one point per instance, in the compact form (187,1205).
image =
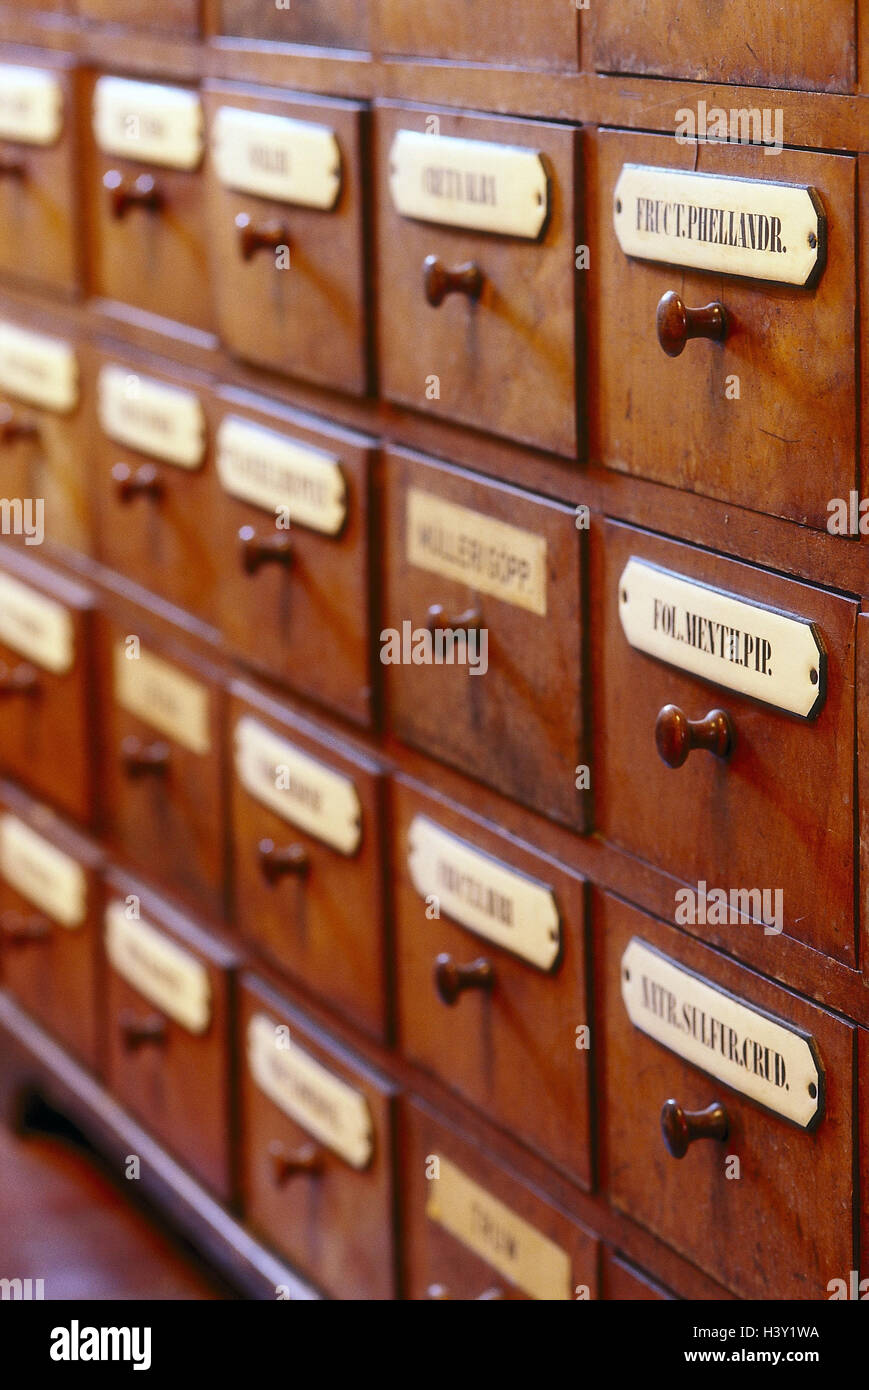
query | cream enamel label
(272,471)
(477,184)
(742,646)
(31,105)
(489,556)
(297,787)
(148,122)
(164,697)
(162,421)
(35,626)
(766,231)
(323,1104)
(482,894)
(38,369)
(42,873)
(277,157)
(170,977)
(761,1058)
(531,1261)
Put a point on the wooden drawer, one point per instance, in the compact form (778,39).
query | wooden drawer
(50,907)
(793,44)
(149,244)
(162,740)
(494,202)
(43,433)
(490,934)
(293,538)
(680,627)
(623,1283)
(161,16)
(707,1032)
(156,489)
(169,1005)
(542,35)
(288,250)
(323,23)
(317,1155)
(39,225)
(307,836)
(46,681)
(765,418)
(473,1231)
(477,551)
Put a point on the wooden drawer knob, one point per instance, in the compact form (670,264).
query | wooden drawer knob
(279,863)
(287,1163)
(256,551)
(139,1032)
(439,618)
(677,323)
(18,680)
(131,483)
(452,979)
(140,758)
(13,427)
(11,168)
(440,1293)
(439,281)
(124,193)
(676,735)
(263,236)
(19,930)
(682,1127)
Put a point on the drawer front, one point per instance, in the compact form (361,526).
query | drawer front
(163,764)
(169,16)
(783,45)
(762,418)
(156,489)
(42,436)
(684,634)
(488,936)
(318,1163)
(494,203)
(293,535)
(622,1283)
(46,679)
(771,1185)
(307,841)
(287,247)
(147,196)
(50,922)
(504,568)
(324,23)
(473,1231)
(39,163)
(545,35)
(169,1009)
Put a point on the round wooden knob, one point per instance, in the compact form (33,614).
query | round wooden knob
(259,236)
(439,618)
(277,863)
(440,1293)
(18,680)
(140,759)
(439,281)
(20,930)
(139,1032)
(290,1163)
(676,735)
(256,551)
(13,427)
(452,979)
(124,193)
(677,323)
(131,483)
(681,1128)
